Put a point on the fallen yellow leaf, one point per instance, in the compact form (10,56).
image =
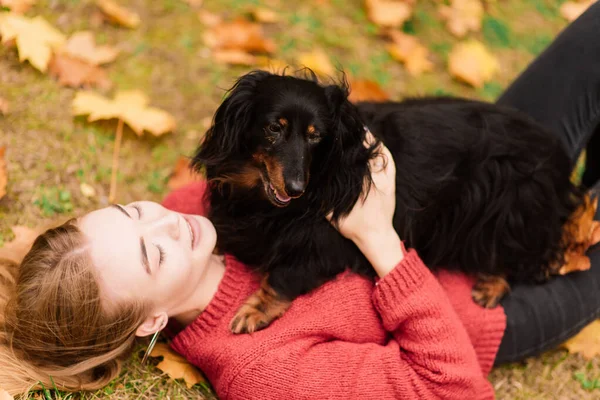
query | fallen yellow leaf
(586,342)
(462,16)
(130,106)
(18,6)
(388,13)
(366,90)
(408,50)
(239,35)
(119,14)
(76,73)
(82,45)
(318,61)
(571,10)
(3,173)
(195,3)
(234,57)
(208,18)
(264,15)
(36,39)
(472,63)
(87,190)
(273,65)
(176,366)
(5,396)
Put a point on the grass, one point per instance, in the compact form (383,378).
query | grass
(50,154)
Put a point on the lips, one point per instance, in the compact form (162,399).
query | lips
(194,229)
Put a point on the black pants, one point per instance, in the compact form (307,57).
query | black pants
(561,90)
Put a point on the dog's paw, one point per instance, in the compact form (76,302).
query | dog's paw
(262,308)
(489,290)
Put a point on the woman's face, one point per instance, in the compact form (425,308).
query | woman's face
(143,251)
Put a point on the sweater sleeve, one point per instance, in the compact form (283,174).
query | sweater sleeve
(428,356)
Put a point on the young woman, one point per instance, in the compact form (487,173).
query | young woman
(86,289)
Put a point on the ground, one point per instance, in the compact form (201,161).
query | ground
(50,153)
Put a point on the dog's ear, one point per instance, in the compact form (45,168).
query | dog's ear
(231,122)
(347,160)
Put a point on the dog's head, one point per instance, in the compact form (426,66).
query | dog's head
(287,134)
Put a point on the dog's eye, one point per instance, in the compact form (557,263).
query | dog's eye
(274,128)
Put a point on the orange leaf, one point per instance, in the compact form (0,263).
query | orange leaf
(4,107)
(586,342)
(318,61)
(195,3)
(182,174)
(571,10)
(16,249)
(18,6)
(82,45)
(176,366)
(119,14)
(239,35)
(235,57)
(208,18)
(409,50)
(272,65)
(462,16)
(366,90)
(472,63)
(3,173)
(76,73)
(388,13)
(264,15)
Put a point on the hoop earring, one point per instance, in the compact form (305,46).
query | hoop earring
(150,346)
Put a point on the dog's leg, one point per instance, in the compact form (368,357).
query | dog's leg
(489,290)
(262,308)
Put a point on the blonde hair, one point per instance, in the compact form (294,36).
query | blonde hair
(55,329)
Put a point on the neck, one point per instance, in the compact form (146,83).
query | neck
(204,293)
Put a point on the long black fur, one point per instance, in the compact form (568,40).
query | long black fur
(480,188)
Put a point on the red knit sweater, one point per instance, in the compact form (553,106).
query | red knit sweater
(410,336)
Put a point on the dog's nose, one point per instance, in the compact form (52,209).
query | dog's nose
(295,187)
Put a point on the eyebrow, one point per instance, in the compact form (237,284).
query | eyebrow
(145,261)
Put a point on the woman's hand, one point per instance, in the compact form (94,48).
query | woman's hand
(369,225)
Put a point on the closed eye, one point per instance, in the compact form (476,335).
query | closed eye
(138,209)
(161,254)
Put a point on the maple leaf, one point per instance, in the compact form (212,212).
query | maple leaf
(119,14)
(409,50)
(571,10)
(318,61)
(182,174)
(366,90)
(176,366)
(462,16)
(264,15)
(36,39)
(18,6)
(388,13)
(82,45)
(235,57)
(76,73)
(4,395)
(4,107)
(586,342)
(239,35)
(129,107)
(472,63)
(3,173)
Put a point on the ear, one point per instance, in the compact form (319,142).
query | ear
(232,120)
(152,324)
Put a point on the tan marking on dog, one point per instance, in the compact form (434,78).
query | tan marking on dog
(311,130)
(248,178)
(283,122)
(259,310)
(275,172)
(489,290)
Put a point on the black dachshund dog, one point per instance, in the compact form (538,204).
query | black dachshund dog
(480,188)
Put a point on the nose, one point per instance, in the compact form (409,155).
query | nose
(295,187)
(168,224)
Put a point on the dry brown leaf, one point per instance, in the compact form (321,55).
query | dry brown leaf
(182,174)
(264,15)
(571,10)
(366,90)
(586,342)
(408,50)
(234,57)
(130,106)
(5,396)
(16,249)
(75,73)
(208,18)
(318,61)
(239,35)
(462,16)
(82,45)
(119,14)
(36,39)
(388,13)
(4,106)
(18,6)
(3,172)
(176,366)
(472,63)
